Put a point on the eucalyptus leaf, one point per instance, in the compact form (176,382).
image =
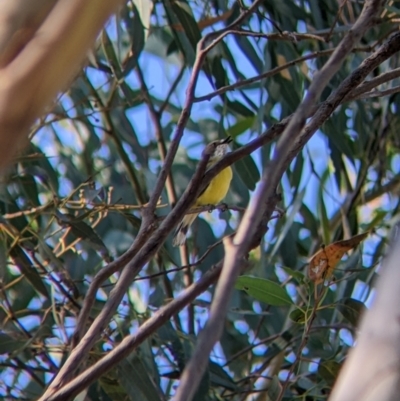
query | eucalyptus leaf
(263,290)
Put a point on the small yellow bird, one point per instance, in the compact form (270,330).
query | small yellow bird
(213,194)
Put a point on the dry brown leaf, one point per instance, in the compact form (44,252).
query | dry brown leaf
(281,60)
(323,262)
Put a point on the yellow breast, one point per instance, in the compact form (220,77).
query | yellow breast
(217,189)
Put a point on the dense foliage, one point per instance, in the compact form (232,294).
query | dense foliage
(73,202)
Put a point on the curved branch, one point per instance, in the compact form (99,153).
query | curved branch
(42,65)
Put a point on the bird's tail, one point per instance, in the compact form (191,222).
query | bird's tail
(182,229)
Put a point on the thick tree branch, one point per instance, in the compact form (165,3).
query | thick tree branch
(371,371)
(45,65)
(19,21)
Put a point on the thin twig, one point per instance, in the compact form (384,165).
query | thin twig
(378,93)
(155,118)
(264,75)
(307,330)
(172,90)
(285,35)
(373,83)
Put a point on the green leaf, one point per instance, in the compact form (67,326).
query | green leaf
(393,9)
(283,232)
(125,129)
(320,345)
(82,230)
(351,309)
(337,161)
(144,8)
(136,380)
(184,28)
(251,54)
(29,187)
(111,386)
(323,214)
(138,28)
(274,389)
(219,72)
(329,371)
(185,16)
(297,172)
(264,290)
(3,255)
(288,247)
(378,217)
(286,91)
(248,172)
(118,241)
(297,316)
(20,222)
(239,108)
(42,168)
(310,221)
(110,54)
(298,276)
(219,377)
(241,126)
(335,131)
(9,344)
(24,263)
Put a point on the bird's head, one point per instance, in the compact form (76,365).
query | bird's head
(219,148)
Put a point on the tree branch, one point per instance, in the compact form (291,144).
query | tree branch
(371,370)
(45,65)
(267,74)
(19,21)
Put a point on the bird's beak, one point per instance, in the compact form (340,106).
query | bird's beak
(228,139)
